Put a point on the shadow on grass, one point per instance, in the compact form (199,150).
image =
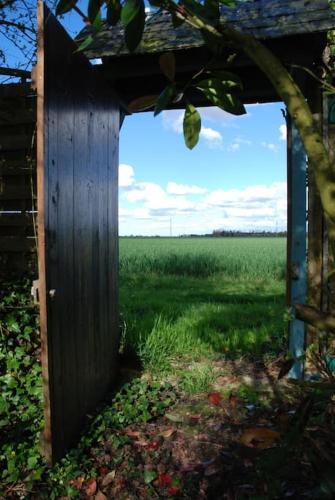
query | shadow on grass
(171,316)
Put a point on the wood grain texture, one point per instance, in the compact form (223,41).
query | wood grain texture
(17,181)
(81,127)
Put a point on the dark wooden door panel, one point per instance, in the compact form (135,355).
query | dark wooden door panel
(81,127)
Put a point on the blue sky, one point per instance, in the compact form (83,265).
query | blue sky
(235,178)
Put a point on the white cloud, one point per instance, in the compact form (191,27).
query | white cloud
(126,175)
(255,207)
(183,189)
(234,147)
(157,201)
(283,132)
(211,136)
(253,199)
(270,146)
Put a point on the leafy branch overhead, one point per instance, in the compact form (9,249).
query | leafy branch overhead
(219,88)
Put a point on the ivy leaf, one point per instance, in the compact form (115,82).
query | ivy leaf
(164,99)
(167,63)
(135,28)
(149,476)
(191,126)
(93,10)
(130,11)
(143,103)
(216,92)
(64,6)
(113,12)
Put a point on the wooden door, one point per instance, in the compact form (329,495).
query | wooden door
(78,135)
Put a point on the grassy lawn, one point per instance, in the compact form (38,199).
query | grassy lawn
(202,298)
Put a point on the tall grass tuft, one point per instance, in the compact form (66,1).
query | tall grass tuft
(181,264)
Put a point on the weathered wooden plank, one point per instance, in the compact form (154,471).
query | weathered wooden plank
(13,219)
(26,117)
(17,168)
(80,230)
(15,142)
(16,90)
(9,192)
(17,244)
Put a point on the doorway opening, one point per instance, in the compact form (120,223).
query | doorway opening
(203,241)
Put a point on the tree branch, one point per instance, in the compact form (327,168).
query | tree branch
(315,318)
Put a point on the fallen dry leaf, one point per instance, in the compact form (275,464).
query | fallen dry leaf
(168,432)
(108,478)
(100,496)
(133,434)
(77,483)
(259,437)
(214,398)
(91,487)
(233,400)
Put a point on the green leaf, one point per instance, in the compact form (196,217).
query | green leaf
(134,29)
(113,12)
(167,63)
(191,126)
(142,103)
(165,98)
(149,476)
(13,325)
(229,3)
(130,11)
(228,79)
(216,92)
(85,43)
(93,9)
(64,6)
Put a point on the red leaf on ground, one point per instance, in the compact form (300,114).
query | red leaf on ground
(90,487)
(153,445)
(103,470)
(164,480)
(214,398)
(173,490)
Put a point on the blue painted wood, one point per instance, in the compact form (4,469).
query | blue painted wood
(298,264)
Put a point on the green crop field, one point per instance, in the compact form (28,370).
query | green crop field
(196,298)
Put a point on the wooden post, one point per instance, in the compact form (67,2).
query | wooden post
(296,258)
